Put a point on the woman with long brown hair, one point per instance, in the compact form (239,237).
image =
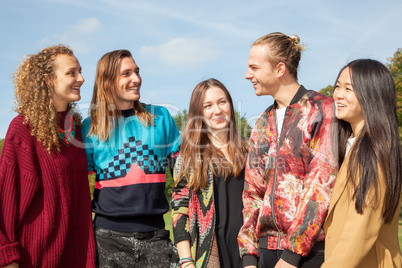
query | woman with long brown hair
(45,207)
(209,179)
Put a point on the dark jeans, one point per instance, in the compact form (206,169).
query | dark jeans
(115,250)
(269,258)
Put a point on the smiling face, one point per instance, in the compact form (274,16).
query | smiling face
(67,81)
(261,73)
(348,107)
(128,83)
(216,109)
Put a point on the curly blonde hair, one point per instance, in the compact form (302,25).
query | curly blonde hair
(34,97)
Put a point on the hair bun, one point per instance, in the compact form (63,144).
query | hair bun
(295,39)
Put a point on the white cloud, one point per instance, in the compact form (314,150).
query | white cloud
(86,26)
(78,36)
(183,52)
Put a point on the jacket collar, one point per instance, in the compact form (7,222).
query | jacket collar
(299,94)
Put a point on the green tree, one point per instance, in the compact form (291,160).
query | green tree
(327,91)
(243,127)
(180,119)
(395,67)
(1,144)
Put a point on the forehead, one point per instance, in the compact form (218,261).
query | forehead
(345,76)
(258,55)
(213,94)
(127,63)
(66,62)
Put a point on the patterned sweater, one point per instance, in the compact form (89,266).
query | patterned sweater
(130,171)
(289,179)
(193,216)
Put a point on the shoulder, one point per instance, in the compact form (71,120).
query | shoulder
(316,97)
(157,110)
(18,138)
(263,117)
(18,128)
(86,125)
(86,122)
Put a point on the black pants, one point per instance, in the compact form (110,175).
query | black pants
(269,258)
(114,250)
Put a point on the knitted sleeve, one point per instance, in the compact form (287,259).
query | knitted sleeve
(180,203)
(17,189)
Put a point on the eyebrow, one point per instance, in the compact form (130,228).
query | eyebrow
(350,84)
(224,97)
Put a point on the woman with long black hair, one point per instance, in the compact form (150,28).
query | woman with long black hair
(362,223)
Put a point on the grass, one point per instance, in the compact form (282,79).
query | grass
(400,233)
(168,224)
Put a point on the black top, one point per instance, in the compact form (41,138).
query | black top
(229,218)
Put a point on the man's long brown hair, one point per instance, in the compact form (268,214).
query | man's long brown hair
(104,108)
(198,152)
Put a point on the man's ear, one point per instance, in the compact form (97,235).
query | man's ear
(280,69)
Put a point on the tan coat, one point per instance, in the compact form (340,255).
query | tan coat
(359,240)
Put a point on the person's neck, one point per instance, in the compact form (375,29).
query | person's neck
(219,139)
(357,128)
(286,92)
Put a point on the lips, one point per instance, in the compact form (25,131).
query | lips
(340,105)
(219,119)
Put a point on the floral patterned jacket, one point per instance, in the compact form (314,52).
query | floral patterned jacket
(193,216)
(289,179)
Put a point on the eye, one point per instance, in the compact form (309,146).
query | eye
(207,106)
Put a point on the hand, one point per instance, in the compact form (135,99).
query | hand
(250,266)
(13,265)
(282,264)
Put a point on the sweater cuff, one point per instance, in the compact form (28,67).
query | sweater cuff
(291,257)
(250,260)
(178,237)
(9,253)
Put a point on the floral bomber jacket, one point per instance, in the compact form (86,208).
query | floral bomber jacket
(289,179)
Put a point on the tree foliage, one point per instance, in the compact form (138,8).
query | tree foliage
(395,67)
(327,91)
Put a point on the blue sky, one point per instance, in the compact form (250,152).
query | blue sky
(178,43)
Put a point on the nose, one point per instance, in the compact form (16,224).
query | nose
(80,78)
(338,94)
(248,74)
(217,109)
(135,78)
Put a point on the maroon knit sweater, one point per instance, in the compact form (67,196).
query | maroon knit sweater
(45,209)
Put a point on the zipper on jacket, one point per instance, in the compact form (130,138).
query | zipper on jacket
(275,175)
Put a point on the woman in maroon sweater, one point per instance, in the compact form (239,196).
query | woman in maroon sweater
(45,211)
